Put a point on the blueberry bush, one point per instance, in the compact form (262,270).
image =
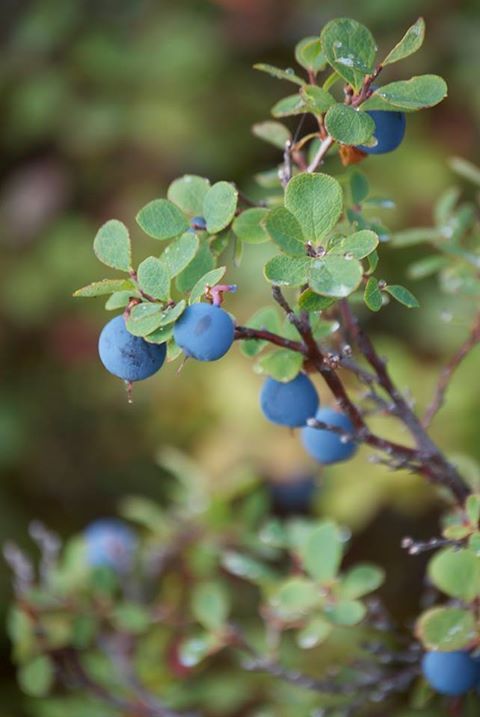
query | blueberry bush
(214,606)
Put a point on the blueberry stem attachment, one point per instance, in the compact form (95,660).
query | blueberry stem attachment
(215,293)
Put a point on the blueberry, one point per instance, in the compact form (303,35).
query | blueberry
(291,403)
(294,496)
(450,673)
(204,332)
(389,131)
(198,223)
(111,543)
(128,357)
(327,446)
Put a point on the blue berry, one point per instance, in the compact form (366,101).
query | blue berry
(389,131)
(131,358)
(111,543)
(450,673)
(327,446)
(291,403)
(204,332)
(198,223)
(294,496)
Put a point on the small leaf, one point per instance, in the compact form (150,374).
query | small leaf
(447,629)
(211,278)
(472,508)
(178,255)
(335,275)
(427,266)
(373,296)
(160,335)
(361,580)
(315,632)
(285,231)
(154,278)
(120,299)
(106,286)
(273,132)
(317,99)
(321,554)
(294,598)
(316,200)
(112,245)
(350,49)
(279,74)
(346,612)
(161,219)
(36,677)
(408,95)
(291,105)
(358,186)
(402,295)
(146,318)
(243,566)
(265,318)
(188,193)
(410,43)
(411,237)
(131,617)
(195,649)
(282,364)
(309,54)
(348,125)
(358,245)
(465,169)
(309,301)
(456,573)
(249,227)
(210,605)
(287,270)
(219,206)
(202,263)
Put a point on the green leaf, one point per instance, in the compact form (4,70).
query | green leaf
(472,508)
(282,364)
(294,598)
(402,295)
(348,125)
(106,286)
(279,74)
(316,201)
(321,553)
(210,605)
(447,629)
(219,206)
(456,573)
(465,169)
(112,245)
(427,266)
(309,301)
(317,99)
(120,299)
(350,49)
(373,296)
(131,617)
(335,275)
(146,318)
(154,278)
(178,255)
(265,318)
(410,43)
(160,335)
(243,566)
(291,105)
(21,631)
(287,270)
(202,263)
(249,226)
(273,132)
(309,54)
(358,245)
(161,219)
(408,95)
(346,612)
(36,677)
(196,649)
(315,632)
(361,580)
(285,231)
(411,237)
(358,187)
(188,193)
(211,278)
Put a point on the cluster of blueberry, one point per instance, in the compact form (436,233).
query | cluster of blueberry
(451,673)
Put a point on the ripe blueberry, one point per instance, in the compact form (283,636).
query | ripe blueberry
(291,403)
(198,223)
(389,131)
(128,357)
(111,543)
(294,496)
(450,673)
(204,332)
(327,446)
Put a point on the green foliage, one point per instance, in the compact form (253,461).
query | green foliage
(348,125)
(219,206)
(410,43)
(112,245)
(315,200)
(408,95)
(350,50)
(161,219)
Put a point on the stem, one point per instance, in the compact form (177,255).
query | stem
(246,333)
(447,373)
(321,152)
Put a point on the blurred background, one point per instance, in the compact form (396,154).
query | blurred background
(103,104)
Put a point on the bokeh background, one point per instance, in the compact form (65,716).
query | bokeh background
(103,103)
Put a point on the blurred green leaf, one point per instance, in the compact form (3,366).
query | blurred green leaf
(465,169)
(132,618)
(322,551)
(309,54)
(360,580)
(358,186)
(346,612)
(408,95)
(447,628)
(472,508)
(350,49)
(315,632)
(243,566)
(291,105)
(281,364)
(279,74)
(196,649)
(294,598)
(427,266)
(210,605)
(180,252)
(219,206)
(249,226)
(273,132)
(36,677)
(112,245)
(348,125)
(265,318)
(456,573)
(410,43)
(316,201)
(154,278)
(161,219)
(188,193)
